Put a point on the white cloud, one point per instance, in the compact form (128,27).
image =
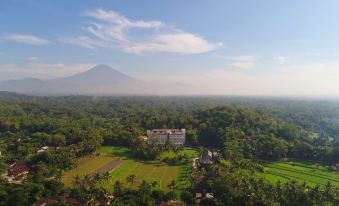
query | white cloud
(84,41)
(27,39)
(241,62)
(33,59)
(112,30)
(185,43)
(115,25)
(280,59)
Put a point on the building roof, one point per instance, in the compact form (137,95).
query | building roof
(206,154)
(165,131)
(18,169)
(207,157)
(72,201)
(44,201)
(172,203)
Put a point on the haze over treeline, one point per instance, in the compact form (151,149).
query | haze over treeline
(171,48)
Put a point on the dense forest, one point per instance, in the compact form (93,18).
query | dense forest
(246,131)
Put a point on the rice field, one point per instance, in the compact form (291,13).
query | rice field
(157,170)
(88,165)
(308,172)
(161,172)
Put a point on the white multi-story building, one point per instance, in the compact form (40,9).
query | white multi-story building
(174,137)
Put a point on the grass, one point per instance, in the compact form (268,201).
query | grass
(86,165)
(300,171)
(157,170)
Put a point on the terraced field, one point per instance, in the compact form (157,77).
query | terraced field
(159,171)
(300,171)
(118,161)
(90,165)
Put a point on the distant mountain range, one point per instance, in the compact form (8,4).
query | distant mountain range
(100,80)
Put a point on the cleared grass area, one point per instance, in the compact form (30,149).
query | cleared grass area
(87,165)
(157,170)
(300,171)
(161,172)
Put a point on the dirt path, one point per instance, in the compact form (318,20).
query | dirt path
(108,167)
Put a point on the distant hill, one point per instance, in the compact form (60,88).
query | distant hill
(99,80)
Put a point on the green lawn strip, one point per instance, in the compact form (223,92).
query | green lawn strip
(123,171)
(296,175)
(86,165)
(170,174)
(292,176)
(184,179)
(150,171)
(300,171)
(274,178)
(141,172)
(158,174)
(319,171)
(307,173)
(300,167)
(161,184)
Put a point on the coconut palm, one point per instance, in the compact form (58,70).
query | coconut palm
(131,179)
(117,188)
(154,184)
(106,176)
(172,185)
(76,180)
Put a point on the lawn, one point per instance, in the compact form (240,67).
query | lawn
(87,165)
(156,170)
(300,171)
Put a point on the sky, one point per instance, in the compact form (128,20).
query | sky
(239,47)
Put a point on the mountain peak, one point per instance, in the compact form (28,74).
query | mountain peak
(99,79)
(102,67)
(101,73)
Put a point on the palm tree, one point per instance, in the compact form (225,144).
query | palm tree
(106,176)
(58,175)
(131,179)
(172,185)
(76,180)
(329,191)
(117,188)
(154,184)
(87,181)
(145,188)
(97,177)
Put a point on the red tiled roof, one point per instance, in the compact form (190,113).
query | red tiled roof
(164,131)
(18,169)
(44,201)
(72,201)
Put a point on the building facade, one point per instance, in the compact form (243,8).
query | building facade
(162,137)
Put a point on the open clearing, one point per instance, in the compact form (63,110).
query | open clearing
(118,161)
(157,170)
(300,171)
(89,165)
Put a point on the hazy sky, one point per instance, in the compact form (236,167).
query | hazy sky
(265,47)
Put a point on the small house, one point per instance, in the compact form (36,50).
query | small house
(207,158)
(18,172)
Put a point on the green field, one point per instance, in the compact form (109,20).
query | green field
(86,165)
(300,171)
(156,170)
